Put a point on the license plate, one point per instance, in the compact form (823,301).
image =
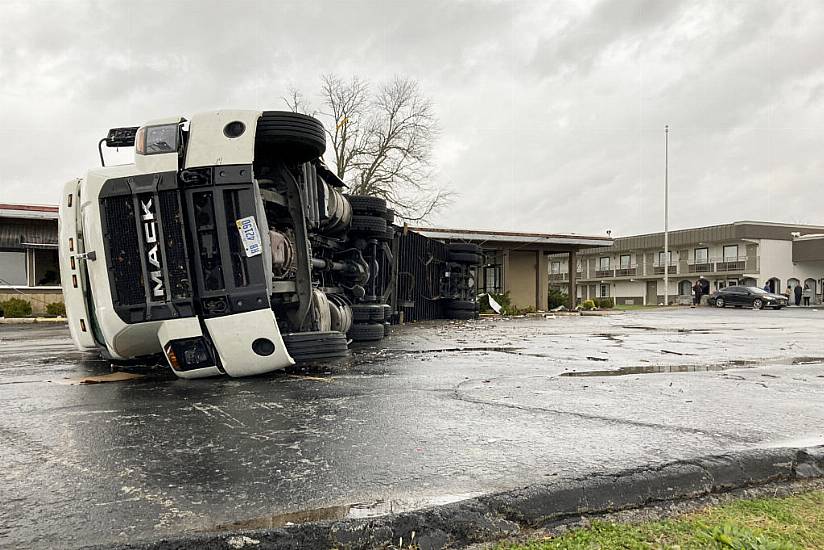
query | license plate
(250,236)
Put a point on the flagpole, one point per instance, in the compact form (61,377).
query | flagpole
(666,215)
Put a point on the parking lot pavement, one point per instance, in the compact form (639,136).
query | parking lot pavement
(439,412)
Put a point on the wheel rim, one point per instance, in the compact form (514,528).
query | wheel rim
(757,304)
(719,302)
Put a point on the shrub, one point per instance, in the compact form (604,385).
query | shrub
(588,305)
(557,298)
(16,307)
(604,303)
(56,308)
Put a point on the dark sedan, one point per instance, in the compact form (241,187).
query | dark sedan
(749,296)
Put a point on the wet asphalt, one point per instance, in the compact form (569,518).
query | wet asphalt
(440,412)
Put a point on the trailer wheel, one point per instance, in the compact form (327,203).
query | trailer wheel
(366,332)
(462,314)
(315,346)
(390,233)
(367,313)
(293,137)
(465,305)
(464,247)
(363,204)
(369,225)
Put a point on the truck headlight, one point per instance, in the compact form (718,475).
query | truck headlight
(189,354)
(155,140)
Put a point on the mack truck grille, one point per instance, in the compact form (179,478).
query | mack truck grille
(146,255)
(173,245)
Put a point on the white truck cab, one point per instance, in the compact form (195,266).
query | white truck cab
(227,246)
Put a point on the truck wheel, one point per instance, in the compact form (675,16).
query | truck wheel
(316,346)
(367,313)
(366,332)
(370,225)
(293,137)
(390,234)
(387,312)
(371,206)
(468,258)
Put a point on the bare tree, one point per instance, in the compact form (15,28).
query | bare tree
(382,142)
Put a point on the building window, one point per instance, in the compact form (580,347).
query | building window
(603,263)
(604,291)
(731,253)
(661,258)
(624,261)
(702,255)
(46,267)
(13,269)
(555,268)
(492,279)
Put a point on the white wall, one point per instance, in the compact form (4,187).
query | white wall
(777,261)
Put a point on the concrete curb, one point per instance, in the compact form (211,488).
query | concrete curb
(504,514)
(31,320)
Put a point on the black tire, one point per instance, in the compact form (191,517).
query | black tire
(390,234)
(464,305)
(389,216)
(365,313)
(316,346)
(366,332)
(719,302)
(371,206)
(387,329)
(758,304)
(464,247)
(370,225)
(467,258)
(293,137)
(462,314)
(387,312)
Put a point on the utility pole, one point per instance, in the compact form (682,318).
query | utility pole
(666,215)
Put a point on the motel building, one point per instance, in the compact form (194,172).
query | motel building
(740,253)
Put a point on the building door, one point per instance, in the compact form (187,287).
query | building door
(652,293)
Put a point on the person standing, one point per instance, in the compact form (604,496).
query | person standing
(697,289)
(807,294)
(797,292)
(789,293)
(767,287)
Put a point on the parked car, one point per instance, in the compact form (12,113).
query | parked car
(749,296)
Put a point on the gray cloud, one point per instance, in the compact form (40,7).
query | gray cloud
(552,113)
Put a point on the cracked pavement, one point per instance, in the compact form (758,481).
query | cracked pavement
(440,412)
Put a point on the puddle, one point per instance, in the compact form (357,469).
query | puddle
(807,360)
(289,518)
(334,513)
(119,376)
(665,369)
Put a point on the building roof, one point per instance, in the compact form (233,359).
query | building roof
(542,240)
(28,211)
(734,231)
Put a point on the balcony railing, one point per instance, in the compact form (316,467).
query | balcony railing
(658,269)
(604,273)
(558,277)
(627,271)
(724,265)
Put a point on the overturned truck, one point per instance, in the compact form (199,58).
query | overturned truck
(229,247)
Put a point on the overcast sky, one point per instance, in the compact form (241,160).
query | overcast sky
(552,114)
